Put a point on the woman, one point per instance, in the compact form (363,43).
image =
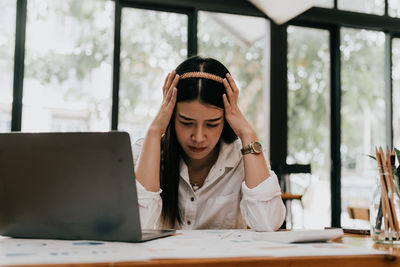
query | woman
(200,164)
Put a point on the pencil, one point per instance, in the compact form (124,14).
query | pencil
(386,216)
(388,187)
(392,188)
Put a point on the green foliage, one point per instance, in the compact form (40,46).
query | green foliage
(245,62)
(7,34)
(148,51)
(308,98)
(363,106)
(92,40)
(398,159)
(152,43)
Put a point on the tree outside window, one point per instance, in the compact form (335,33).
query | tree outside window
(149,50)
(396,91)
(362,114)
(244,53)
(68,70)
(309,124)
(7,45)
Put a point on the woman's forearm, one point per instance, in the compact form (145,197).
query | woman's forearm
(148,166)
(255,165)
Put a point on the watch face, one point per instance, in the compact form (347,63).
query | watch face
(257,147)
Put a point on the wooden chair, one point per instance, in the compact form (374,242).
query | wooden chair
(283,171)
(287,199)
(288,196)
(359,213)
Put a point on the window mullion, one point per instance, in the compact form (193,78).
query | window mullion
(335,127)
(388,90)
(192,33)
(116,66)
(19,58)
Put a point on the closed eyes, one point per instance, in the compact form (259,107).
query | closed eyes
(211,125)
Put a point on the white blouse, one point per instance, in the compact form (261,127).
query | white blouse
(223,202)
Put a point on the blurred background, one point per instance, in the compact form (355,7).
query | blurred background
(322,89)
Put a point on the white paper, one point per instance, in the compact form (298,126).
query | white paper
(41,251)
(296,236)
(183,245)
(244,243)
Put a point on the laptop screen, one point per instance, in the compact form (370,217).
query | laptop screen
(68,186)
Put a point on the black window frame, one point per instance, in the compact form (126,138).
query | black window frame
(334,20)
(330,19)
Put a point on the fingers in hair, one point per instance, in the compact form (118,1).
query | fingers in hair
(172,100)
(232,83)
(228,89)
(227,105)
(175,81)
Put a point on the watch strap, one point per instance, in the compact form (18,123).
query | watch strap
(250,148)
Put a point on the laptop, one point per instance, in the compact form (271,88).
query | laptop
(70,186)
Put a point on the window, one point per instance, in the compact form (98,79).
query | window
(309,122)
(68,75)
(396,91)
(376,7)
(394,8)
(7,45)
(227,38)
(68,69)
(362,112)
(149,50)
(324,3)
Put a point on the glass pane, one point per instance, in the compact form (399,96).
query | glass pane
(362,115)
(149,50)
(396,92)
(324,3)
(7,44)
(67,85)
(394,8)
(364,6)
(309,121)
(229,39)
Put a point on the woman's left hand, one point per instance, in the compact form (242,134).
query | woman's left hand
(233,115)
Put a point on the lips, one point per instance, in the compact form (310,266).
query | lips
(197,149)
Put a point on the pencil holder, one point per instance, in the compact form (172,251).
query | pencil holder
(385,210)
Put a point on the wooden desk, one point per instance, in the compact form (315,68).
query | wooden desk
(334,261)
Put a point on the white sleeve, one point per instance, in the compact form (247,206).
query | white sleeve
(262,206)
(150,203)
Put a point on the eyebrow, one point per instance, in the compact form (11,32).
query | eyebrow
(189,119)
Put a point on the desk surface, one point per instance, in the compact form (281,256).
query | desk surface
(393,259)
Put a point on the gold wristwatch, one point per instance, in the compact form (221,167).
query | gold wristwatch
(252,148)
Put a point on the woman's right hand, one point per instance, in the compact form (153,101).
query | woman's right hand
(163,117)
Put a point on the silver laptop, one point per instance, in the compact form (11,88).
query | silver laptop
(70,186)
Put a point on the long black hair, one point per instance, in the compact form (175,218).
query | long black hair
(206,91)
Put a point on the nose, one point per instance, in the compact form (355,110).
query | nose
(198,135)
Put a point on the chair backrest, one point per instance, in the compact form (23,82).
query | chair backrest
(358,213)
